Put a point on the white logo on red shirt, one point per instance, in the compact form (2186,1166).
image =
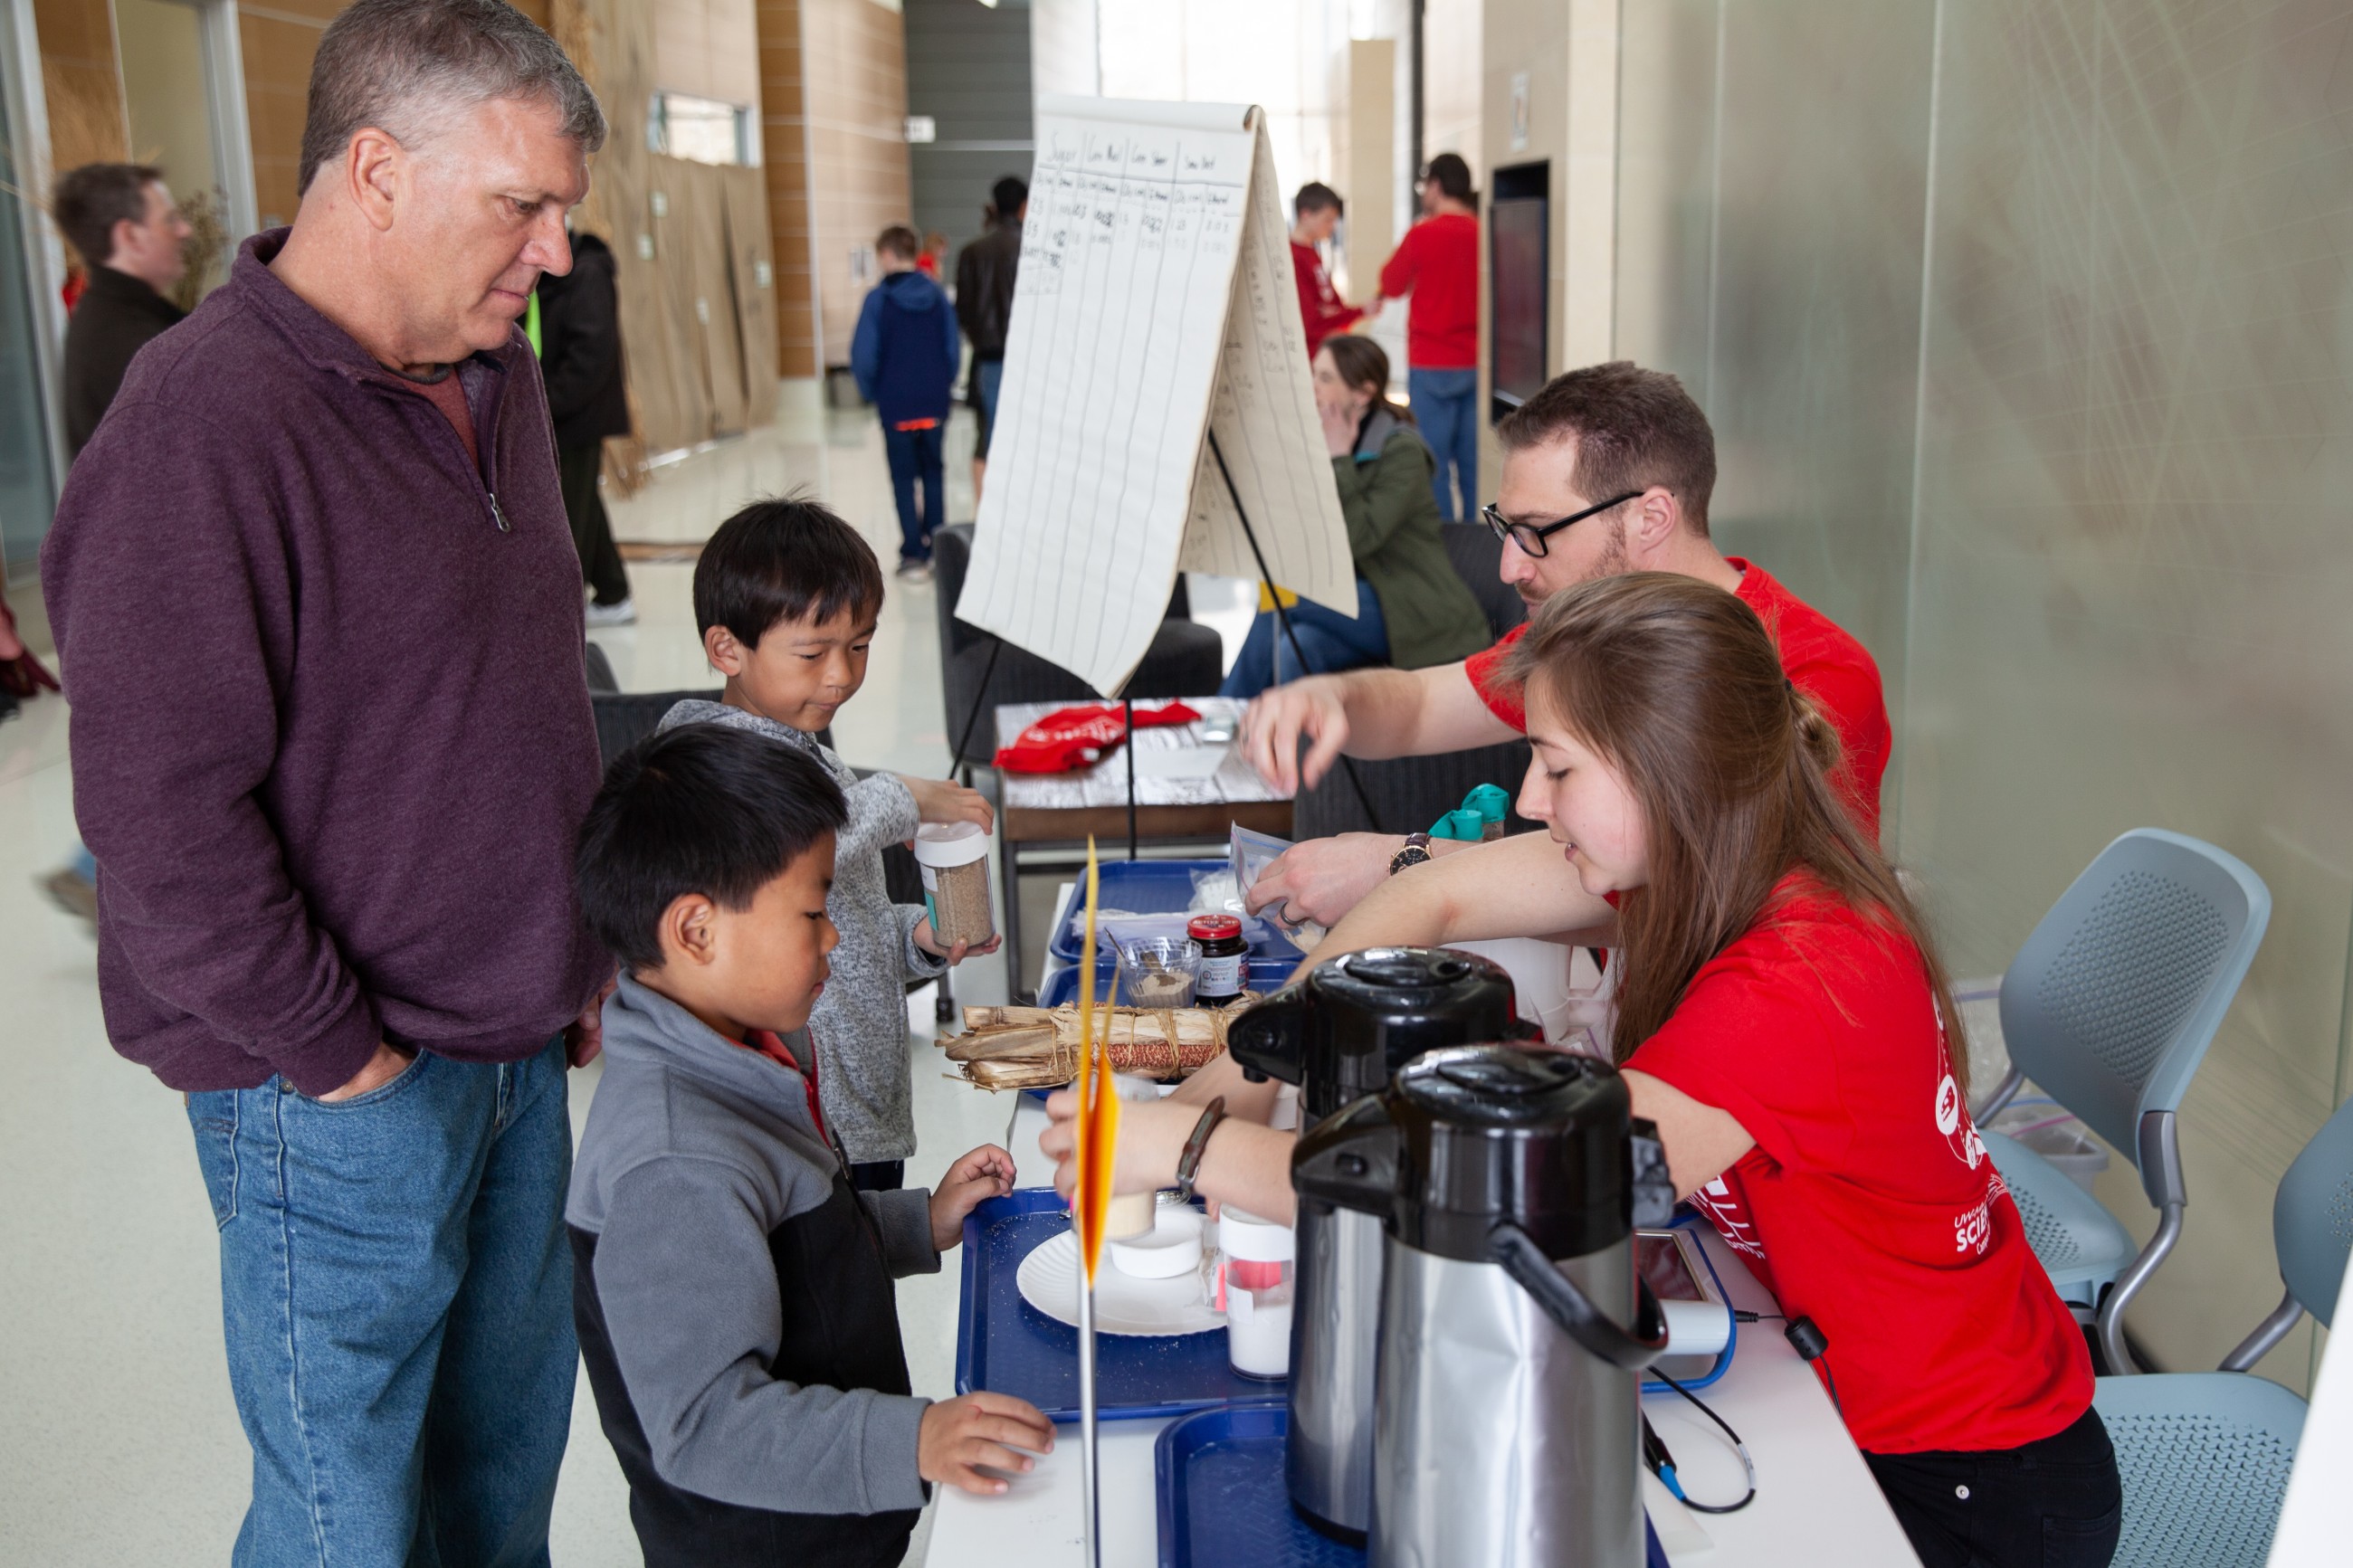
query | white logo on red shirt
(1729,1218)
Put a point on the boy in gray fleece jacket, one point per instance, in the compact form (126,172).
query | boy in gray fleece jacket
(731,1290)
(786,596)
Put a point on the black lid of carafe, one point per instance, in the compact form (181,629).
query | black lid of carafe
(1370,1012)
(1501,1132)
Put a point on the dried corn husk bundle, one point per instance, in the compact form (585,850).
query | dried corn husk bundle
(1038,1048)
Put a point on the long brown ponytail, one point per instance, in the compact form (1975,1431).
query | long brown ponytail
(1679,686)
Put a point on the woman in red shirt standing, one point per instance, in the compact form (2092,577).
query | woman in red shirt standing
(1437,264)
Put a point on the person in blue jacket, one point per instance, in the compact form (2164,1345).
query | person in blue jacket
(905,354)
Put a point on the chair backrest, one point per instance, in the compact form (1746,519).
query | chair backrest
(2112,1002)
(2204,1457)
(624,718)
(1478,556)
(2312,1218)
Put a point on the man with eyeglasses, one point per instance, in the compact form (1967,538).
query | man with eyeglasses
(1606,470)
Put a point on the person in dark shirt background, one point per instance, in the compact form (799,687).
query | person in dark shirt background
(983,306)
(121,219)
(580,358)
(904,355)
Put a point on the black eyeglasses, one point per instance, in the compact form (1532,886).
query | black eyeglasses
(1530,537)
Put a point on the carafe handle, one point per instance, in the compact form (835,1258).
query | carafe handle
(1265,1038)
(1349,1159)
(1567,1305)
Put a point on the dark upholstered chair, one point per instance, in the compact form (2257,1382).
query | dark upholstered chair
(624,718)
(1409,793)
(1185,659)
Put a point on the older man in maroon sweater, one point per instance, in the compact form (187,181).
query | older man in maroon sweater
(321,622)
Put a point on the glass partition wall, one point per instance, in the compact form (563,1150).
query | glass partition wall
(28,475)
(2027,332)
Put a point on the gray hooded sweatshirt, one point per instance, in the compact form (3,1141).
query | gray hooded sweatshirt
(860,1021)
(734,1301)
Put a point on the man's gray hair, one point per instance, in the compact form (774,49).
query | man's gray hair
(405,67)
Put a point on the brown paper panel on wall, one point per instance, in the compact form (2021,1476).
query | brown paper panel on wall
(753,275)
(714,303)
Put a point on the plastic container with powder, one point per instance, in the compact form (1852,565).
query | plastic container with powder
(954,859)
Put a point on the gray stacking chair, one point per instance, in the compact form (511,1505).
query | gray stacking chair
(2205,1456)
(2109,1006)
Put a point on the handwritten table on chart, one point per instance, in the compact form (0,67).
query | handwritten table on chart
(1155,328)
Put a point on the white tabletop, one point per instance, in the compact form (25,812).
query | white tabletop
(1230,781)
(1816,1502)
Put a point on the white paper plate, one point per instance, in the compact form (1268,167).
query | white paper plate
(1048,1278)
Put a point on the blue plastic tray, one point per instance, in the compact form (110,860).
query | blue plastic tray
(1260,974)
(1006,1344)
(1223,1499)
(1154,887)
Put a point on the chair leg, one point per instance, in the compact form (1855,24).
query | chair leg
(944,1003)
(2127,1286)
(2268,1332)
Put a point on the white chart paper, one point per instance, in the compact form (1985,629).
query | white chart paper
(1155,303)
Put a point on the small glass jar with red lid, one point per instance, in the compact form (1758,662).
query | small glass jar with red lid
(1223,951)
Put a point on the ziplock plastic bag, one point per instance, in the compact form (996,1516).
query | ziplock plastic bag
(1250,853)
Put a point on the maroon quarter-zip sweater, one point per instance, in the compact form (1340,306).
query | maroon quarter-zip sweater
(331,734)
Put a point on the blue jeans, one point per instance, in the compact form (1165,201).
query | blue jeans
(916,455)
(1331,642)
(988,376)
(396,1290)
(1446,407)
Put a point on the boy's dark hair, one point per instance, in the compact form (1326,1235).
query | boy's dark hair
(703,808)
(1315,196)
(1009,194)
(1452,176)
(1634,428)
(901,241)
(88,202)
(788,560)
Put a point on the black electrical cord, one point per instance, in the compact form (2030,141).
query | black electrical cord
(1662,1463)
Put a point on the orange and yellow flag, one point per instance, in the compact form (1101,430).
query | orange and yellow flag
(1098,1123)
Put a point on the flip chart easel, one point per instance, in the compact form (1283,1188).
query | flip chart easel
(1155,306)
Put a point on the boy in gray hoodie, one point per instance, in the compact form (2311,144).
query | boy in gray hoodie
(786,596)
(731,1290)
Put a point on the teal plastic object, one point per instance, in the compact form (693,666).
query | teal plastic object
(1486,804)
(2204,1458)
(2309,1218)
(1492,801)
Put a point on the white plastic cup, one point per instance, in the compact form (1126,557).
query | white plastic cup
(954,859)
(1255,1270)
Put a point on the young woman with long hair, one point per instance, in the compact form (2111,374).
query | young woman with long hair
(1782,1017)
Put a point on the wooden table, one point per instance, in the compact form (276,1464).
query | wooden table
(1038,810)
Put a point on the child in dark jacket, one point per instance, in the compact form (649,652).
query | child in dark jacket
(732,1292)
(905,354)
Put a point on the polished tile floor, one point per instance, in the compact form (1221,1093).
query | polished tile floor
(119,1444)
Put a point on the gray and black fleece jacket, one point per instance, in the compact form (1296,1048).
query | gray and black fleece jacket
(860,1021)
(734,1304)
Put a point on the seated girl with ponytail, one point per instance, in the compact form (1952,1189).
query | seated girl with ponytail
(1782,1017)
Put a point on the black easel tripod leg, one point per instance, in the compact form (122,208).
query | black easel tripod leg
(1282,621)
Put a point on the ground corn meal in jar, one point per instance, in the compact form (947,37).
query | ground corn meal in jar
(954,859)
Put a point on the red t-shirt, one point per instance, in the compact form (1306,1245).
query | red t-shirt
(1820,659)
(1320,305)
(1437,264)
(1869,1203)
(448,394)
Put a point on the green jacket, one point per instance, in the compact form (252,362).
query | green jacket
(1393,527)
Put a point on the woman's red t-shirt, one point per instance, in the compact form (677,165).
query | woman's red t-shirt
(1869,1203)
